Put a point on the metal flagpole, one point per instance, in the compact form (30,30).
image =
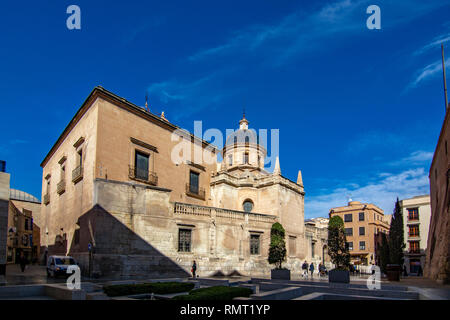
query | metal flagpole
(445,81)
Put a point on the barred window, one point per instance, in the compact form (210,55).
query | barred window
(349,231)
(184,240)
(348,217)
(254,244)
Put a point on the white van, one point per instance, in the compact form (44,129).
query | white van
(57,265)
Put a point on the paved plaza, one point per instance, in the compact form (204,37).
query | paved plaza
(33,284)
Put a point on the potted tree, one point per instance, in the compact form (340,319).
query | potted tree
(277,252)
(338,251)
(396,245)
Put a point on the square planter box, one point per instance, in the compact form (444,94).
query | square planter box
(339,276)
(393,272)
(281,274)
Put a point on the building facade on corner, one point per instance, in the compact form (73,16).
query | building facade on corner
(362,222)
(23,228)
(416,213)
(110,184)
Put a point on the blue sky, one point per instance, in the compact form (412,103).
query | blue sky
(359,111)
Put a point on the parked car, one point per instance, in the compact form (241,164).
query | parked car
(57,265)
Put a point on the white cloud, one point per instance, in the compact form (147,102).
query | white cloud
(382,193)
(436,42)
(303,31)
(180,99)
(430,71)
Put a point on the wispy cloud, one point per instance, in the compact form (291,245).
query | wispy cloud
(382,192)
(428,72)
(415,158)
(305,31)
(183,98)
(435,43)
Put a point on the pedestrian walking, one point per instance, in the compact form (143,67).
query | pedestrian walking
(22,261)
(311,269)
(305,270)
(420,271)
(194,268)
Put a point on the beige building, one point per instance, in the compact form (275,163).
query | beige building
(416,213)
(437,264)
(362,221)
(110,184)
(23,229)
(317,241)
(4,206)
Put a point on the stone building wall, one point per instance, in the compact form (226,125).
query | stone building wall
(4,204)
(437,263)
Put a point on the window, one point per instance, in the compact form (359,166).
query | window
(413,214)
(414,246)
(246,158)
(348,217)
(414,231)
(194,182)
(248,206)
(361,216)
(26,224)
(254,244)
(230,160)
(313,248)
(349,245)
(184,240)
(247,139)
(349,231)
(362,245)
(362,231)
(63,172)
(80,157)
(141,162)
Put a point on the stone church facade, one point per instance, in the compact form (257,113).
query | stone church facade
(114,199)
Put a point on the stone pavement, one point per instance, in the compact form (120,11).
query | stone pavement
(34,274)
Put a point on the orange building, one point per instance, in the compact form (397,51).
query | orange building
(362,221)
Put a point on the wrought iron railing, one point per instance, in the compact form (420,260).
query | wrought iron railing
(47,199)
(61,187)
(77,174)
(142,175)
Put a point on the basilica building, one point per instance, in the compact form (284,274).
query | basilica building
(114,199)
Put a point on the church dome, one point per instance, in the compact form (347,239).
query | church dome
(243,135)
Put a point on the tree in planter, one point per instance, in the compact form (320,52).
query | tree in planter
(277,251)
(384,253)
(396,238)
(337,248)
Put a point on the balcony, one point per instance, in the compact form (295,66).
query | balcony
(413,218)
(77,174)
(47,199)
(198,193)
(143,175)
(61,187)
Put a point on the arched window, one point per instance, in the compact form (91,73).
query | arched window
(248,205)
(247,139)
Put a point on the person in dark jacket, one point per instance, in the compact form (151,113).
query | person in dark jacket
(22,261)
(305,269)
(405,273)
(311,269)
(194,268)
(420,272)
